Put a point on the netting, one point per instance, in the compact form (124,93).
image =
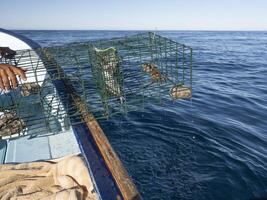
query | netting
(111,76)
(35,107)
(121,74)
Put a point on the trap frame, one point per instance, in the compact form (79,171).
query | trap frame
(35,107)
(121,74)
(112,76)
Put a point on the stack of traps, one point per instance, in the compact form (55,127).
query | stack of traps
(111,76)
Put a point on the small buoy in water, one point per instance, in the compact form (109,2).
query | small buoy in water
(180,92)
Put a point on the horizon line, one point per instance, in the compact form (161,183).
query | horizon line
(153,30)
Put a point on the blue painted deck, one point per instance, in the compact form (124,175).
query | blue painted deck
(42,147)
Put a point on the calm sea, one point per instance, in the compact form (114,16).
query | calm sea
(213,147)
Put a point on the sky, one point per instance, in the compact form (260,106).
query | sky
(134,15)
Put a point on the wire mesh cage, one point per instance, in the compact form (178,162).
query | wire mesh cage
(35,107)
(140,67)
(121,74)
(111,76)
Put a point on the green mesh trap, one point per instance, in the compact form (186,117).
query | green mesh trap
(112,76)
(35,107)
(121,74)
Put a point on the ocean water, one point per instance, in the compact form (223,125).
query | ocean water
(213,147)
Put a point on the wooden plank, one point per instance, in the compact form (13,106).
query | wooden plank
(123,180)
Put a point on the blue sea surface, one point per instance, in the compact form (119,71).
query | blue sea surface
(213,147)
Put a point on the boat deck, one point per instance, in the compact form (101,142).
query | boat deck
(41,147)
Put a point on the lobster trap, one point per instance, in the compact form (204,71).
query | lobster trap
(121,74)
(35,107)
(111,76)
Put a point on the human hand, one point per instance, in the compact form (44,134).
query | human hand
(8,77)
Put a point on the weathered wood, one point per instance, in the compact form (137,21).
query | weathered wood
(119,173)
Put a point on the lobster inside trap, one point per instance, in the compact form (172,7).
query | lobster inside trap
(111,76)
(134,69)
(121,74)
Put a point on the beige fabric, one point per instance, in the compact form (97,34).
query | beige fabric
(60,179)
